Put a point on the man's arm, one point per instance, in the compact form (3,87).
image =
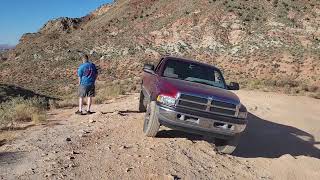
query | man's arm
(96,71)
(80,72)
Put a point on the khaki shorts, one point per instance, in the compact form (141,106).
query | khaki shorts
(87,91)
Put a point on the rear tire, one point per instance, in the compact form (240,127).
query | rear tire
(142,108)
(226,146)
(151,123)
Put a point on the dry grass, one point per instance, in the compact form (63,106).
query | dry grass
(104,91)
(19,110)
(6,136)
(315,95)
(285,85)
(108,92)
(68,102)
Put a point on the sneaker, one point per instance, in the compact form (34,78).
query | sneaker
(90,112)
(80,113)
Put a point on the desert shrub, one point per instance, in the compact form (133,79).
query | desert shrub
(286,82)
(65,102)
(53,104)
(315,95)
(109,92)
(253,84)
(39,117)
(104,92)
(286,85)
(311,88)
(22,110)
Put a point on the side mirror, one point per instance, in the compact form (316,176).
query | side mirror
(233,86)
(148,68)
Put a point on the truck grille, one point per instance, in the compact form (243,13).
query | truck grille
(207,105)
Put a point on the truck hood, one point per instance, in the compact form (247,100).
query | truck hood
(200,90)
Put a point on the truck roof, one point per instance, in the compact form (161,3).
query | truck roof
(188,60)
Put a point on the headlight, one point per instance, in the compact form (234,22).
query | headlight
(243,115)
(166,100)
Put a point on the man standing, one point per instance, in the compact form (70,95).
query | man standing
(87,73)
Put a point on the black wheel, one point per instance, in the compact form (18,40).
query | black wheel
(151,123)
(226,146)
(142,107)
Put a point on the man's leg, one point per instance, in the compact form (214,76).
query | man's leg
(80,103)
(89,102)
(91,94)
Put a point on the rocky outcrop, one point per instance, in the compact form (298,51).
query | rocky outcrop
(101,10)
(61,25)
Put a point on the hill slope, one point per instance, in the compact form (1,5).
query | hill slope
(270,42)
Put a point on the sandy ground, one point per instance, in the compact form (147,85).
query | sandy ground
(281,142)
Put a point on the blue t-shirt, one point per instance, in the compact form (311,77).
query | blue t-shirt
(88,74)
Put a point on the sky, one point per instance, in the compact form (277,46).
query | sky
(22,16)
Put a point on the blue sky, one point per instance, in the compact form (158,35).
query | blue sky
(21,16)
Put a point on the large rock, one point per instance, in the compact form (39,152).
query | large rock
(61,25)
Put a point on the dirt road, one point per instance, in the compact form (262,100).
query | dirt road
(281,142)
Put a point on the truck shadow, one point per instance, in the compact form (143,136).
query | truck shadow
(271,140)
(178,134)
(264,138)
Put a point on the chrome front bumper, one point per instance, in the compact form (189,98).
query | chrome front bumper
(199,125)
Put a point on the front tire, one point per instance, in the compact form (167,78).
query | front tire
(151,123)
(142,108)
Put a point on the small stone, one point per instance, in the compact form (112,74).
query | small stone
(171,177)
(33,170)
(68,139)
(92,121)
(49,175)
(71,157)
(115,113)
(128,169)
(74,152)
(123,147)
(72,165)
(86,132)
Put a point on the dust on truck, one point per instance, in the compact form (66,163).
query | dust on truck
(192,97)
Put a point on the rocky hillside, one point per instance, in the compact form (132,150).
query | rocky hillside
(259,42)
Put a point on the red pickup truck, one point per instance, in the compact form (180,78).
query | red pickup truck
(193,97)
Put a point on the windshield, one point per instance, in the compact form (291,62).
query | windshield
(193,72)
